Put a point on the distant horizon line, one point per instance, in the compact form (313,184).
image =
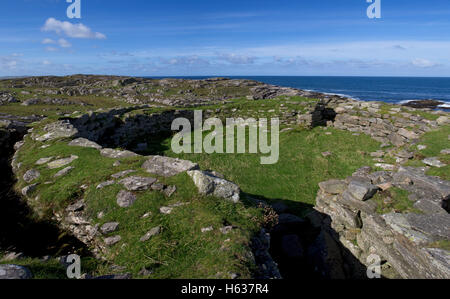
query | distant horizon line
(222,76)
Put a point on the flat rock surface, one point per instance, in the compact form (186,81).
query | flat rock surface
(167,167)
(137,183)
(83,142)
(117,154)
(125,199)
(61,162)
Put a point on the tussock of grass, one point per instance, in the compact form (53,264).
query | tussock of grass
(394,200)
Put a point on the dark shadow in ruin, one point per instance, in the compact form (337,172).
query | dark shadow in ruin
(143,133)
(307,247)
(20,231)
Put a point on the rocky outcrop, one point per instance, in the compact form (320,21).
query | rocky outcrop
(210,184)
(404,240)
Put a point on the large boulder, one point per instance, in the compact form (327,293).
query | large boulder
(209,184)
(167,167)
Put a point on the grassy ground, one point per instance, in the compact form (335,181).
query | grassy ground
(435,141)
(181,250)
(394,200)
(301,166)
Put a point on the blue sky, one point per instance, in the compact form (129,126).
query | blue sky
(246,37)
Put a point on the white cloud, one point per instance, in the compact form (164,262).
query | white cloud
(71,30)
(64,43)
(48,41)
(424,63)
(46,62)
(237,59)
(51,49)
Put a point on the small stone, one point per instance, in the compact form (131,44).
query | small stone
(166,210)
(105,184)
(385,166)
(100,215)
(117,154)
(109,227)
(326,154)
(31,175)
(157,187)
(445,151)
(385,186)
(112,240)
(207,229)
(145,272)
(26,191)
(433,162)
(168,191)
(361,191)
(407,134)
(226,229)
(421,147)
(125,199)
(146,215)
(83,142)
(136,183)
(61,162)
(43,161)
(63,172)
(442,120)
(76,207)
(333,186)
(122,174)
(153,232)
(116,164)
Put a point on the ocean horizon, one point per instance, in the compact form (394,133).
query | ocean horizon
(386,89)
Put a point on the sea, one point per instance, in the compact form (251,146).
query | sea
(386,89)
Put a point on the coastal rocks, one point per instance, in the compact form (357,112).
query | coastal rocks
(136,183)
(117,154)
(60,129)
(31,175)
(43,161)
(125,199)
(14,272)
(167,167)
(208,184)
(62,162)
(122,174)
(83,142)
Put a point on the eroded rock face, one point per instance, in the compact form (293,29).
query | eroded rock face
(167,167)
(405,240)
(209,184)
